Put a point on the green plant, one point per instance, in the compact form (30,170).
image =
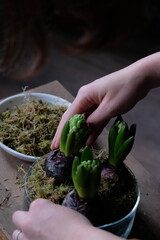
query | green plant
(74,135)
(120,140)
(86,174)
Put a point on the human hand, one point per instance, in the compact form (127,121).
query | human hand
(48,221)
(105,98)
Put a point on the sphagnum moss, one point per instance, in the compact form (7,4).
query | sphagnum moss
(41,186)
(29,129)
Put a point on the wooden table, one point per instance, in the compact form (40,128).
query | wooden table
(147,222)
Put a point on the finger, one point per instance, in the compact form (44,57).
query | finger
(101,115)
(56,139)
(95,132)
(97,121)
(90,111)
(79,106)
(18,218)
(18,235)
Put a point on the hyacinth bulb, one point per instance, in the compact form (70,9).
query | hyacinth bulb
(59,166)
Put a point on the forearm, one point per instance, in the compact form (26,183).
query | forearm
(112,95)
(147,70)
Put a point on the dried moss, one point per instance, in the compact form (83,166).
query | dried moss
(41,186)
(29,129)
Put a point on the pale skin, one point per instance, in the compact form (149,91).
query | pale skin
(112,95)
(48,221)
(100,100)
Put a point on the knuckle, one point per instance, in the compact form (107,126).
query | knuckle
(83,94)
(82,90)
(37,203)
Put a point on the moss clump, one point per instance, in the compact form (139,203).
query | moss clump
(29,129)
(41,186)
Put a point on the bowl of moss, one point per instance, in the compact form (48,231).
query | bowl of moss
(28,122)
(94,182)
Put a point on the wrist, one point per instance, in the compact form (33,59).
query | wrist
(147,71)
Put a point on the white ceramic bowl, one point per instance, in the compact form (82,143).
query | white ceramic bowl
(19,99)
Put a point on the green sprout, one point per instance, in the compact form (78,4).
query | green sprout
(86,174)
(120,140)
(74,135)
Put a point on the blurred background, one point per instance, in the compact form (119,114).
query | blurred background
(84,40)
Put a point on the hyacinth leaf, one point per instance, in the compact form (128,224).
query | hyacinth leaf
(64,135)
(80,141)
(75,164)
(80,181)
(94,180)
(86,174)
(120,141)
(111,141)
(118,120)
(123,151)
(87,185)
(132,130)
(121,136)
(81,175)
(87,154)
(69,143)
